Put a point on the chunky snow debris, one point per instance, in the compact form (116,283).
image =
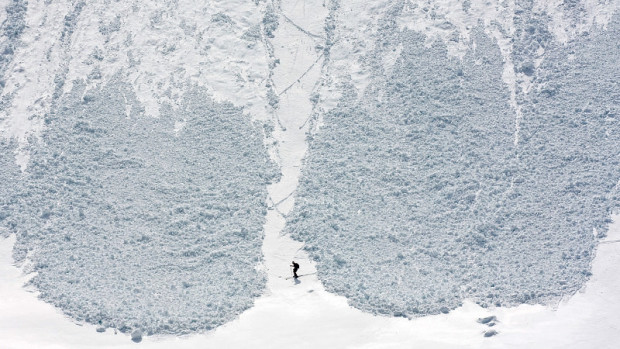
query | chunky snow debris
(132,223)
(489,320)
(415,194)
(490,333)
(10,30)
(9,177)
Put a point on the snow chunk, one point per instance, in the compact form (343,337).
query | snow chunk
(490,333)
(136,336)
(487,320)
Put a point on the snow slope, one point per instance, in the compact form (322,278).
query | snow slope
(305,69)
(305,316)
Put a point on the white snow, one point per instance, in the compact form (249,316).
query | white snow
(32,73)
(291,314)
(593,13)
(305,316)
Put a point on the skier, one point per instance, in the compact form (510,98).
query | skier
(295,268)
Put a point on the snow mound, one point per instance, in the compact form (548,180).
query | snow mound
(490,333)
(136,336)
(416,194)
(133,223)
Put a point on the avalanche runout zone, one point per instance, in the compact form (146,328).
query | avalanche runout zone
(141,197)
(414,195)
(132,225)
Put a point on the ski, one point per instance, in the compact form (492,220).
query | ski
(298,276)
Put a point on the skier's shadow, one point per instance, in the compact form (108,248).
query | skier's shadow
(297,281)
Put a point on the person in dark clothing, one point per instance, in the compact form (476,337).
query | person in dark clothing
(295,268)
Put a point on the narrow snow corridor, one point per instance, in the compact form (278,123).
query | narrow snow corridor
(295,51)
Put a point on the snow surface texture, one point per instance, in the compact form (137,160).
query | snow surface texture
(438,196)
(426,185)
(10,30)
(131,225)
(140,204)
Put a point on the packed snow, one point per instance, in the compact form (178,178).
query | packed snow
(446,170)
(415,195)
(304,315)
(129,224)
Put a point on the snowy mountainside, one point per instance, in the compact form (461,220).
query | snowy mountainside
(161,48)
(151,157)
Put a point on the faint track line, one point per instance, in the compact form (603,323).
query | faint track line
(284,199)
(300,28)
(609,242)
(302,75)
